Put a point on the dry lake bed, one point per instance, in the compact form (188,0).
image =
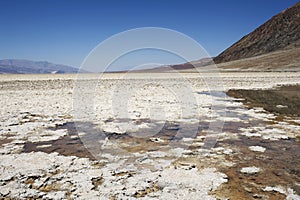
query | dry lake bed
(150,136)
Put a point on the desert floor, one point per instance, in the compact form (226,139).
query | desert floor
(150,136)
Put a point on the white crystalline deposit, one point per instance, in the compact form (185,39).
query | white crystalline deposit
(64,173)
(279,189)
(257,148)
(252,131)
(47,135)
(250,170)
(11,148)
(270,132)
(120,128)
(290,193)
(170,183)
(281,106)
(189,184)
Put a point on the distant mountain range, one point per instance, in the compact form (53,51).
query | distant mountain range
(188,65)
(17,66)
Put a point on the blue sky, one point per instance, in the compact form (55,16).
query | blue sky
(65,31)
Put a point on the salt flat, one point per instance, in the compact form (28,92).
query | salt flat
(147,136)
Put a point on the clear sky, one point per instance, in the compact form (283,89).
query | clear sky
(65,31)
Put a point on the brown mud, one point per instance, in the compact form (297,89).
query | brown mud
(280,162)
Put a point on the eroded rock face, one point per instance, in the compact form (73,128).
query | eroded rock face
(281,31)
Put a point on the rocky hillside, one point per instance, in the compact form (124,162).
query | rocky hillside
(281,32)
(16,66)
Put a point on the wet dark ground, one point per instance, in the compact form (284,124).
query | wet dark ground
(282,100)
(279,163)
(87,146)
(69,145)
(281,160)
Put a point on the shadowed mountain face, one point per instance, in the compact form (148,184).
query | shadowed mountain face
(15,66)
(189,65)
(280,32)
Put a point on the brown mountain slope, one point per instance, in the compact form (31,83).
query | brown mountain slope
(281,32)
(281,60)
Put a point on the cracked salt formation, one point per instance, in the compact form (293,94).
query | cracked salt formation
(38,112)
(29,175)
